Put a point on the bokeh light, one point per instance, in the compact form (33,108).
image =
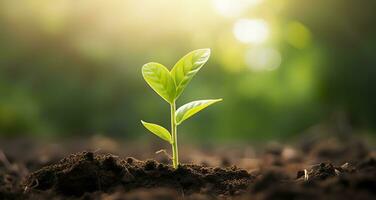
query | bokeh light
(263,59)
(231,8)
(298,35)
(251,30)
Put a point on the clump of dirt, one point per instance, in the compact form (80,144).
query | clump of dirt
(87,172)
(321,181)
(9,185)
(11,175)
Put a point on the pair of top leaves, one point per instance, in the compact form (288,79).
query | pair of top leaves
(170,85)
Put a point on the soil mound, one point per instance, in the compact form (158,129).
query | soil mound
(87,172)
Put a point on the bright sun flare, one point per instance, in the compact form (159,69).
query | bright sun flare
(254,31)
(233,8)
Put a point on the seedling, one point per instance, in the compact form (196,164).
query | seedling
(170,85)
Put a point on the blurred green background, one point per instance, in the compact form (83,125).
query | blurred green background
(73,68)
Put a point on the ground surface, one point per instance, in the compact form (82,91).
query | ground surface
(318,168)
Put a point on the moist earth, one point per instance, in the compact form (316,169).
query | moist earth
(86,172)
(346,170)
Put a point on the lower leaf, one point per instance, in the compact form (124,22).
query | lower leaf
(158,131)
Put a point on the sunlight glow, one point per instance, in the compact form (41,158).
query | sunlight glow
(298,35)
(231,8)
(254,31)
(263,59)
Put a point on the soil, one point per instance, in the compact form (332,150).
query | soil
(86,172)
(328,168)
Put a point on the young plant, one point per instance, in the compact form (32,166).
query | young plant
(170,85)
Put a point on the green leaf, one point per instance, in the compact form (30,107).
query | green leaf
(189,109)
(160,80)
(158,131)
(187,67)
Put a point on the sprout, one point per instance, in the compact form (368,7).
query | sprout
(170,85)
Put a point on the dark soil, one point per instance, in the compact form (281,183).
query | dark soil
(86,172)
(322,181)
(324,169)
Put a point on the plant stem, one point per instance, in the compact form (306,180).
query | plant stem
(174,144)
